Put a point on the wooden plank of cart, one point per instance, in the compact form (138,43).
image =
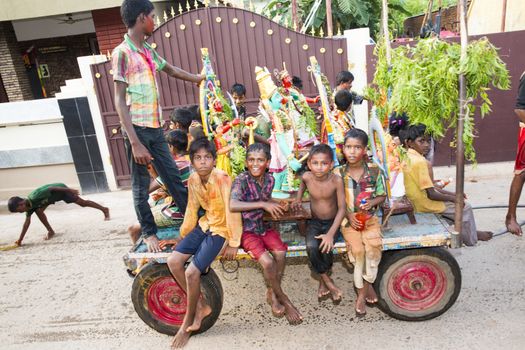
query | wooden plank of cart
(418,278)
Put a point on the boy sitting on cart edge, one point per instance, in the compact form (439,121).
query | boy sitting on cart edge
(327,204)
(203,238)
(425,197)
(363,239)
(251,195)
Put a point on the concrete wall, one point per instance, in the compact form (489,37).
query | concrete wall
(486,16)
(34,149)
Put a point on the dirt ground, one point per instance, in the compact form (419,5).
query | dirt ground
(73,292)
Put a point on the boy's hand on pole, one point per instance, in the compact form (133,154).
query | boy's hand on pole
(274,209)
(141,154)
(327,243)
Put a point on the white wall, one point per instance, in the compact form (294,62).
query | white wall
(50,27)
(485,16)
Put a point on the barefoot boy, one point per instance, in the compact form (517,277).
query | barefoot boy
(427,198)
(252,195)
(364,241)
(327,203)
(203,238)
(38,200)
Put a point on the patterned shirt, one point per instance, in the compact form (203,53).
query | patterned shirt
(137,69)
(214,198)
(367,187)
(245,188)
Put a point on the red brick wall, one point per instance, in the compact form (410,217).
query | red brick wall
(109,28)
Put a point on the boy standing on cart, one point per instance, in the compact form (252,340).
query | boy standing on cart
(252,195)
(135,65)
(209,189)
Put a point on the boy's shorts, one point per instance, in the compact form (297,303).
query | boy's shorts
(256,245)
(203,246)
(67,197)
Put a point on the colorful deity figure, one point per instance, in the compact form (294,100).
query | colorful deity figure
(298,110)
(275,106)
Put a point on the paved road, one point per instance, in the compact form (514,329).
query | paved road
(73,293)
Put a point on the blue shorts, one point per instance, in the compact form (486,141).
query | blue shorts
(203,246)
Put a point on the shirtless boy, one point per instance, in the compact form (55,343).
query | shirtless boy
(327,203)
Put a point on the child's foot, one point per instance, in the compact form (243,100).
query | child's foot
(371,296)
(323,291)
(335,293)
(181,338)
(203,311)
(360,305)
(293,315)
(484,235)
(278,309)
(49,235)
(105,210)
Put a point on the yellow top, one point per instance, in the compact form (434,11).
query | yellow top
(417,180)
(214,198)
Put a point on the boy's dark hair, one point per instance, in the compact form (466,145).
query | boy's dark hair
(238,89)
(202,143)
(13,203)
(323,149)
(396,123)
(178,139)
(343,77)
(259,147)
(343,100)
(297,82)
(357,134)
(415,131)
(183,117)
(195,112)
(131,9)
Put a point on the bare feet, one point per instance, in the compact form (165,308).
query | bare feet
(335,293)
(484,235)
(293,315)
(203,311)
(512,226)
(371,296)
(323,291)
(106,213)
(181,338)
(360,303)
(134,232)
(278,309)
(49,235)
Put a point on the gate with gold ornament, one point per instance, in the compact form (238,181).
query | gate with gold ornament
(238,40)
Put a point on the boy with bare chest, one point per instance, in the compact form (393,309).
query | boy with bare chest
(327,203)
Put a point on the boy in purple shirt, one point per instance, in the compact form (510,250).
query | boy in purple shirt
(251,195)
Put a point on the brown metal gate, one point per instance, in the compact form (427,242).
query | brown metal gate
(238,40)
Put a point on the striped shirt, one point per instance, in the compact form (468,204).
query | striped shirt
(369,186)
(137,69)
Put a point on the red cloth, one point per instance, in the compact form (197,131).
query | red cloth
(519,166)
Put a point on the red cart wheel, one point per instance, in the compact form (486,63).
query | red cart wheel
(418,284)
(161,303)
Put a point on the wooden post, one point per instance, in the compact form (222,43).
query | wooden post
(460,150)
(294,12)
(329,25)
(384,23)
(504,15)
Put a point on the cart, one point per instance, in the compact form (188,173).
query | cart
(418,278)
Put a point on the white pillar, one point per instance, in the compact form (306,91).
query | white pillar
(356,42)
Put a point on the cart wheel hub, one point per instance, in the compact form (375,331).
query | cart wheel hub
(167,301)
(417,285)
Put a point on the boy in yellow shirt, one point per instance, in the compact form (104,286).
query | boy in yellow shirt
(427,198)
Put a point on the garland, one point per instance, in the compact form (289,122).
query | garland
(422,81)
